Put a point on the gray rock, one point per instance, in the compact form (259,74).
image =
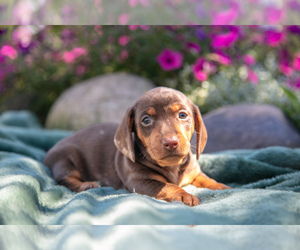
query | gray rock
(249,126)
(100,99)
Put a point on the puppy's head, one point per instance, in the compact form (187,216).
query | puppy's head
(164,120)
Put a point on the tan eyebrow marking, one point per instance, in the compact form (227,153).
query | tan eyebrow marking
(175,107)
(151,111)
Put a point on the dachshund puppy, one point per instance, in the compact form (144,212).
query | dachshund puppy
(148,153)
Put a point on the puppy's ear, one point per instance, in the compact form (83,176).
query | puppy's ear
(123,137)
(201,131)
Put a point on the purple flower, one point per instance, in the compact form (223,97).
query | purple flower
(200,34)
(294,83)
(295,29)
(294,5)
(169,59)
(284,63)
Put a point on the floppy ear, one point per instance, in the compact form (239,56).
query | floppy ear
(123,137)
(201,131)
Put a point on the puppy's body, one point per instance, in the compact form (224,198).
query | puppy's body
(148,153)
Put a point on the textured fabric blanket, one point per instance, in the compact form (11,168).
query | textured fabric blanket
(266,186)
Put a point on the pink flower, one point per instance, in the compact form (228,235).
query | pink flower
(226,40)
(80,70)
(124,55)
(274,38)
(202,69)
(252,77)
(123,40)
(193,47)
(274,15)
(124,19)
(133,3)
(9,51)
(133,27)
(68,57)
(99,30)
(285,68)
(79,52)
(23,35)
(228,16)
(249,60)
(296,62)
(220,57)
(22,12)
(169,59)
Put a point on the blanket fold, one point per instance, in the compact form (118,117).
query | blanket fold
(266,186)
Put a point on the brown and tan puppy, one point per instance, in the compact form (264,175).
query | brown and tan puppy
(148,153)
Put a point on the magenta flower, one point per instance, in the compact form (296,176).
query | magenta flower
(296,62)
(274,38)
(252,76)
(123,40)
(193,47)
(285,68)
(284,63)
(9,51)
(226,40)
(249,60)
(169,59)
(274,15)
(202,69)
(294,83)
(221,58)
(228,16)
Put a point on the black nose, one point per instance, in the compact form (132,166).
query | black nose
(170,143)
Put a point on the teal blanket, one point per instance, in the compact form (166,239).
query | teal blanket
(266,190)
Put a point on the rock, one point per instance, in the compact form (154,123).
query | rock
(249,126)
(100,99)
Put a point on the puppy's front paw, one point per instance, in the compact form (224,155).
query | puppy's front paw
(218,186)
(186,198)
(88,185)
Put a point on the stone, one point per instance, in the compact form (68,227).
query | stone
(249,126)
(99,99)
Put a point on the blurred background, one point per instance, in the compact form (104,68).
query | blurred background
(214,65)
(151,12)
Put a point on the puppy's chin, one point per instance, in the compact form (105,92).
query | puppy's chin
(172,160)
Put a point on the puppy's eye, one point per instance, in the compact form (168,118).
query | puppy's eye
(146,120)
(182,115)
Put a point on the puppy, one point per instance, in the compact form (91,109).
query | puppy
(148,153)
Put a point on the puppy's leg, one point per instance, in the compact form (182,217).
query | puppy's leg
(204,181)
(164,191)
(66,174)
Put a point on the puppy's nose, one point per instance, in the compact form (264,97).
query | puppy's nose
(170,143)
